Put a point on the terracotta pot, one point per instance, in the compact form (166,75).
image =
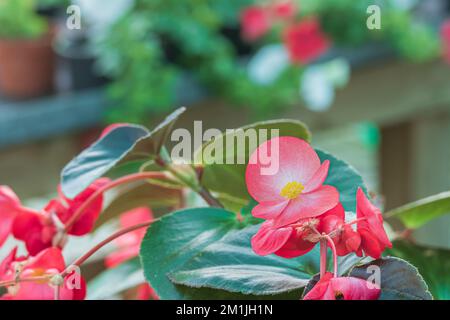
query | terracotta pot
(26,67)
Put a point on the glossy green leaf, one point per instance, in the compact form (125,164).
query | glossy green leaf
(399,279)
(230,264)
(433,265)
(345,178)
(230,178)
(126,143)
(114,281)
(416,214)
(178,237)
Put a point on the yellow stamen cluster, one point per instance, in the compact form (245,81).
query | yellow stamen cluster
(292,190)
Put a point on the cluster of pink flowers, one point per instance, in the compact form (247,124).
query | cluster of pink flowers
(300,211)
(44,234)
(303,39)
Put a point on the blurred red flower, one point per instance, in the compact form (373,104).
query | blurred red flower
(129,244)
(445,35)
(255,22)
(305,41)
(283,9)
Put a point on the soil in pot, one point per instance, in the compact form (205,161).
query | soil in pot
(26,67)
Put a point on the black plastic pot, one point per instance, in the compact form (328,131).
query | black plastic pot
(77,59)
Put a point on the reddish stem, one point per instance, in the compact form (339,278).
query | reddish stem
(323,257)
(333,249)
(106,187)
(100,245)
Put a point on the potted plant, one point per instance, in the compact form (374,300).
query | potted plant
(26,56)
(76,55)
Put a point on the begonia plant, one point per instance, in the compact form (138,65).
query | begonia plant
(305,228)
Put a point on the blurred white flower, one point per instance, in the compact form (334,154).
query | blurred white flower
(318,83)
(338,72)
(102,13)
(267,64)
(316,89)
(404,4)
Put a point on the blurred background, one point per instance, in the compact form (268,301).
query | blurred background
(376,97)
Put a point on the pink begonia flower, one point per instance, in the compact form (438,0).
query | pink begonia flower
(283,9)
(295,191)
(346,240)
(343,288)
(445,35)
(292,240)
(47,263)
(305,41)
(373,236)
(255,22)
(38,228)
(129,244)
(10,207)
(65,208)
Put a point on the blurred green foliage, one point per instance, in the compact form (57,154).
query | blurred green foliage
(150,48)
(18,20)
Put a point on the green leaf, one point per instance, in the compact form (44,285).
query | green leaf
(141,194)
(416,214)
(114,281)
(176,238)
(230,178)
(399,279)
(343,177)
(125,143)
(230,264)
(433,265)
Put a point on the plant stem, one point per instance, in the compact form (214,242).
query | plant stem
(205,194)
(208,197)
(323,257)
(57,292)
(100,245)
(99,192)
(333,249)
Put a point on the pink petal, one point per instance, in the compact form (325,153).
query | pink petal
(29,227)
(355,288)
(374,222)
(309,205)
(295,246)
(269,210)
(295,160)
(50,258)
(119,256)
(318,178)
(268,239)
(319,291)
(9,208)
